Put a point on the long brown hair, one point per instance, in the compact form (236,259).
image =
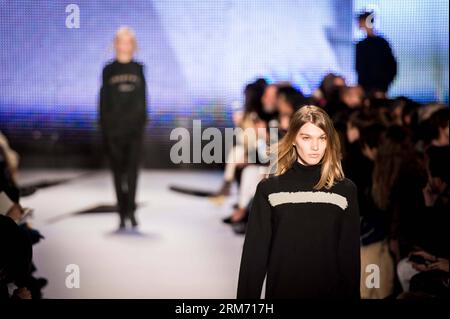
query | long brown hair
(331,171)
(395,153)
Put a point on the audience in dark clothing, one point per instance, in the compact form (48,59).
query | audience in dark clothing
(16,240)
(15,259)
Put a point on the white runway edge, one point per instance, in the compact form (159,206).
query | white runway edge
(183,249)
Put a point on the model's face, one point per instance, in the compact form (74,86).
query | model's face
(125,45)
(311,142)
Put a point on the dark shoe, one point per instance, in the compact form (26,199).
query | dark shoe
(242,220)
(122,224)
(239,228)
(133,221)
(227,220)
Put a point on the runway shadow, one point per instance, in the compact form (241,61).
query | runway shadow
(31,188)
(191,191)
(132,233)
(97,209)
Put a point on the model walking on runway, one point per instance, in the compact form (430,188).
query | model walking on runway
(303,229)
(123,117)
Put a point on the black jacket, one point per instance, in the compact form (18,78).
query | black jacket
(375,64)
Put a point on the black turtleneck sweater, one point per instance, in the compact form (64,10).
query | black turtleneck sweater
(306,241)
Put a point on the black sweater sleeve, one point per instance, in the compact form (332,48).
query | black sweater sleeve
(103,96)
(143,93)
(349,261)
(256,249)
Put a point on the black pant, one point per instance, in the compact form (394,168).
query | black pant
(124,155)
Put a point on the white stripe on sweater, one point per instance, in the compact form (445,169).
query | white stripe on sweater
(308,197)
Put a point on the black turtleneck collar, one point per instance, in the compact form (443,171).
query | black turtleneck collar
(309,173)
(306,168)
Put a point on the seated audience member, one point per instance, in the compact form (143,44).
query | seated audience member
(374,221)
(15,260)
(10,156)
(425,269)
(398,180)
(253,105)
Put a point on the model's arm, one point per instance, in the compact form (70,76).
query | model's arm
(103,97)
(349,261)
(143,92)
(256,247)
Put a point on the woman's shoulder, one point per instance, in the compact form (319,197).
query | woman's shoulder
(109,64)
(269,183)
(275,183)
(138,64)
(346,186)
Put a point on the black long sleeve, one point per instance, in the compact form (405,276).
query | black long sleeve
(256,249)
(123,98)
(103,98)
(305,241)
(349,248)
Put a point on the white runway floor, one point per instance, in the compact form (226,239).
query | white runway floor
(183,249)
